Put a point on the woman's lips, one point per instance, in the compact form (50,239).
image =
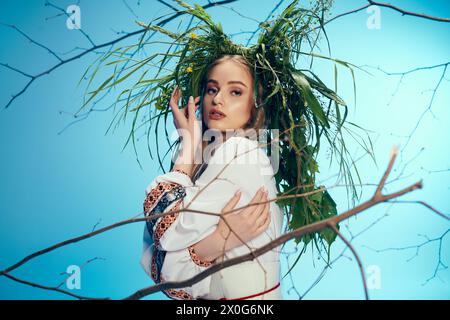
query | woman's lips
(216,116)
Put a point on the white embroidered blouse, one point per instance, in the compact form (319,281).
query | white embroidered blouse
(168,255)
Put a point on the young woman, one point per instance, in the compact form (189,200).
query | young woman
(241,89)
(238,172)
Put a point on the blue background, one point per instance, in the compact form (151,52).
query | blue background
(58,182)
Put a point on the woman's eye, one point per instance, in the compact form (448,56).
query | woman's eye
(211,90)
(236,93)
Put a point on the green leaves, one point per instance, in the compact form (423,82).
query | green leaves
(309,99)
(323,89)
(326,208)
(158,29)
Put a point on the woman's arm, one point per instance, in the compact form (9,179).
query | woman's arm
(241,226)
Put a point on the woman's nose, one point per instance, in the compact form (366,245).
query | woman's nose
(218,98)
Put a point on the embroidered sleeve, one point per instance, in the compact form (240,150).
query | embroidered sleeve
(196,259)
(167,197)
(160,197)
(156,203)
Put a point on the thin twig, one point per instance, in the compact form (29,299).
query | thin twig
(366,293)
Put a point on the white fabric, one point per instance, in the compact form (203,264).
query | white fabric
(246,279)
(246,167)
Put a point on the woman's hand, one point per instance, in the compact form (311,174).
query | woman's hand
(188,127)
(246,223)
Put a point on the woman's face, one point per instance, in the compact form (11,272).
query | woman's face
(229,91)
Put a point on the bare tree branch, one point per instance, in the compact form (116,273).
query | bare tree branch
(408,13)
(366,293)
(403,74)
(63,12)
(428,109)
(267,18)
(36,285)
(347,13)
(386,5)
(418,247)
(95,47)
(32,41)
(447,217)
(341,255)
(168,5)
(130,9)
(16,70)
(408,71)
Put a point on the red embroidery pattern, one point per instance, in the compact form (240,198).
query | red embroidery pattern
(154,195)
(196,258)
(166,222)
(178,294)
(153,268)
(181,171)
(152,198)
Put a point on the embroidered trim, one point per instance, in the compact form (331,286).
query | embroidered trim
(196,258)
(182,171)
(165,223)
(154,265)
(157,201)
(177,294)
(159,198)
(154,195)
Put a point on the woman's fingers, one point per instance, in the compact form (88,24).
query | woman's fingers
(174,99)
(256,198)
(254,208)
(232,202)
(264,218)
(191,109)
(257,195)
(266,223)
(189,112)
(258,209)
